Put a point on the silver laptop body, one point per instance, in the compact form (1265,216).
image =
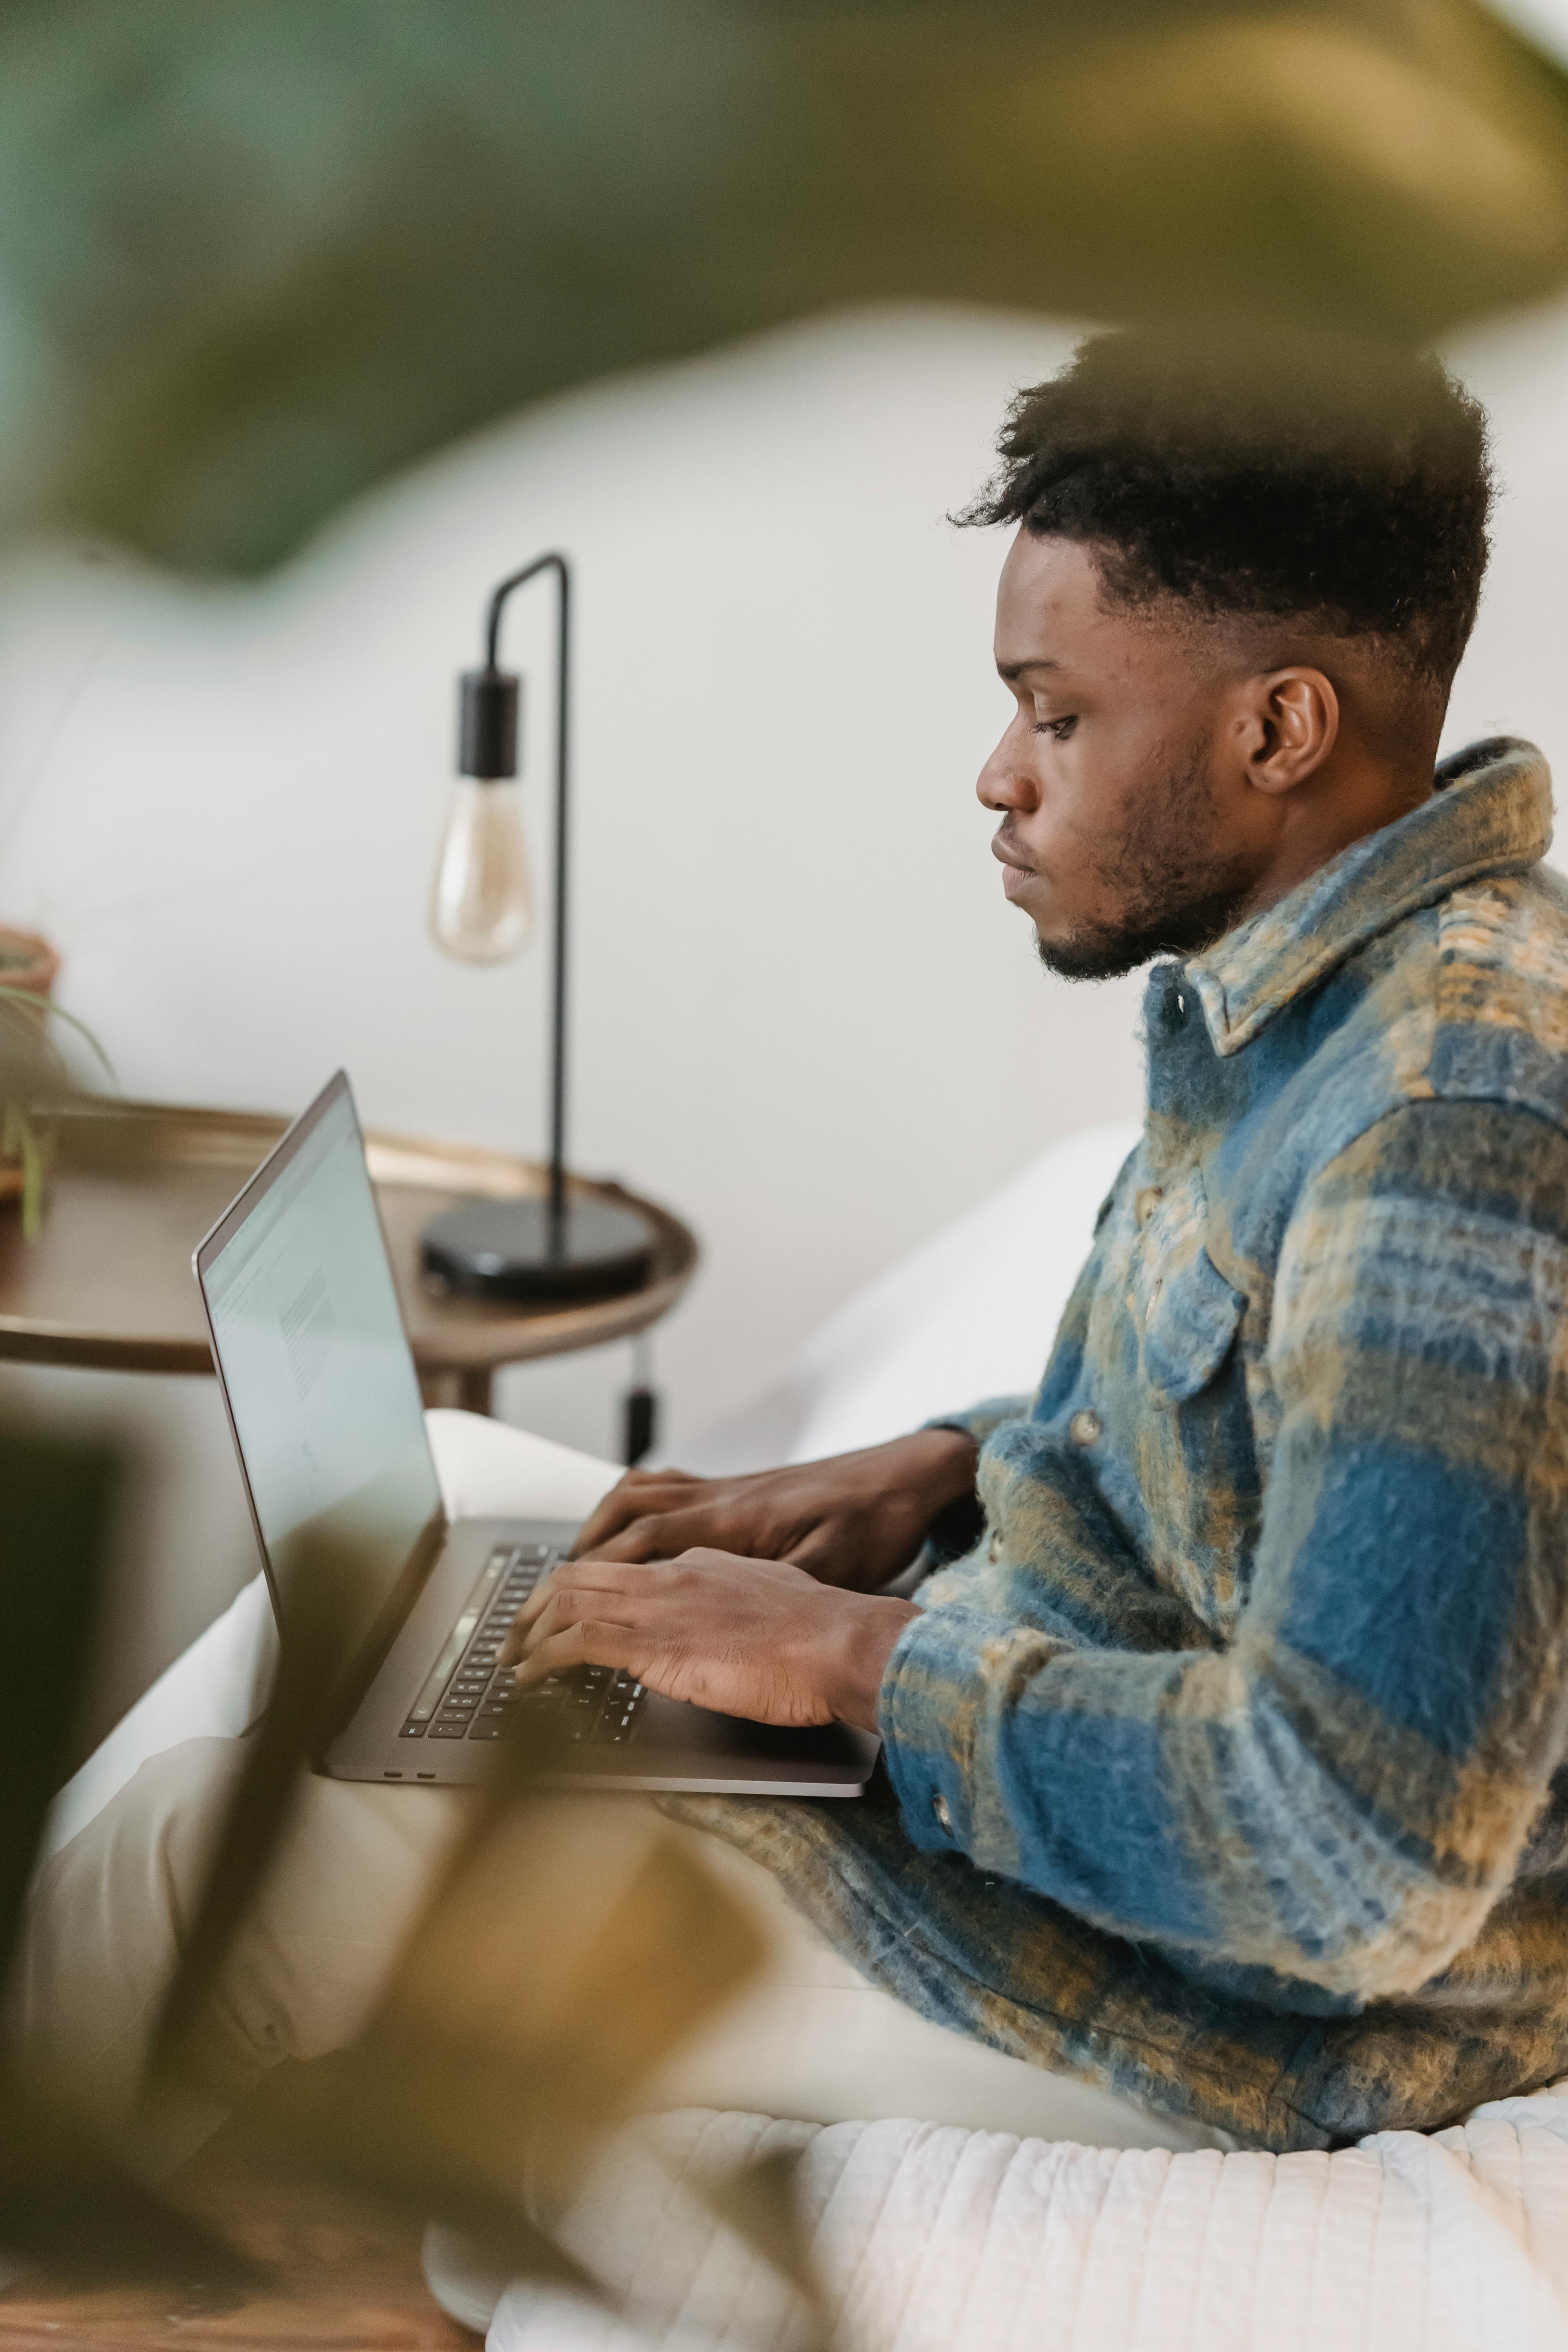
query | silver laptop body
(318,1383)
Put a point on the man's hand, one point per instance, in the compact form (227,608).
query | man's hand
(857,1520)
(748,1637)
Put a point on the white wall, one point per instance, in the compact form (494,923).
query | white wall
(804,1014)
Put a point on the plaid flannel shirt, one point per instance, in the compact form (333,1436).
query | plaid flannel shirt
(1225,1771)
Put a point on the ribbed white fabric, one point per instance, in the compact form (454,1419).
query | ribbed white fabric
(934,2240)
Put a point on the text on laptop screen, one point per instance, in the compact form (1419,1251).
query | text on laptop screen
(318,1370)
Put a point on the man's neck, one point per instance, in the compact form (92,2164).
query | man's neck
(1359,798)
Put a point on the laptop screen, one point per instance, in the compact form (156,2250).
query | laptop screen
(315,1364)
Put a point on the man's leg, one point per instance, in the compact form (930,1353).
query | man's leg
(109,1915)
(810,2038)
(113,1903)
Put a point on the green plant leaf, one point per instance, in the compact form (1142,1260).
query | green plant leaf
(21,1142)
(437,215)
(46,1007)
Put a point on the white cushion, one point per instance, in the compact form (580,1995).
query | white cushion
(936,2240)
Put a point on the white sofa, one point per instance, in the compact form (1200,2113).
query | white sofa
(929,2240)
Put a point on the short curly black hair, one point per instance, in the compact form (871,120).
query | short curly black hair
(1344,486)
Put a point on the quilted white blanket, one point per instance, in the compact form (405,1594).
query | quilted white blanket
(933,2240)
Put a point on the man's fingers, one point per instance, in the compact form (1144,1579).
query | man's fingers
(639,1494)
(589,1643)
(532,1609)
(542,1598)
(580,1586)
(575,1603)
(660,1536)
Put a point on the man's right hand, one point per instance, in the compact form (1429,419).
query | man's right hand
(855,1521)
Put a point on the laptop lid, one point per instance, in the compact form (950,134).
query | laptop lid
(317,1374)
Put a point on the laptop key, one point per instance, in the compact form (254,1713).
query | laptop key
(449,1730)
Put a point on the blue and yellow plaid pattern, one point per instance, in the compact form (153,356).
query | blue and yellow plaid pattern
(1228,1771)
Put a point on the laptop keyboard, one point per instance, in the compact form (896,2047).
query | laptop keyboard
(467,1695)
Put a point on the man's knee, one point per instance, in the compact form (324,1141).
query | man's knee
(110,1915)
(136,1870)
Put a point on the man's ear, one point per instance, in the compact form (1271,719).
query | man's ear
(1288,727)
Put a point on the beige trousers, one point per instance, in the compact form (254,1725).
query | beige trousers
(809,2038)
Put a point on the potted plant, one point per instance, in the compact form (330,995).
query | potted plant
(33,1072)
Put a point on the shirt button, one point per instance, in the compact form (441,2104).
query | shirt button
(1146,1202)
(1086,1427)
(943,1818)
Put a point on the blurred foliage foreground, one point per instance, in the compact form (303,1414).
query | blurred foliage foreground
(255,257)
(530,1999)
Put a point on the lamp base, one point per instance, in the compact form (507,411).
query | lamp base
(507,1249)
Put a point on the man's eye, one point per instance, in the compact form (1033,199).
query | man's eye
(1061,728)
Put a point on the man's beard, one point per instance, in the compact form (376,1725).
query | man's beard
(1178,894)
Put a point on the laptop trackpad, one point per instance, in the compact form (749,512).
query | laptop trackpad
(673,1728)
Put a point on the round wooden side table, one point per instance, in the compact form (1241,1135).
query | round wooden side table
(135,1185)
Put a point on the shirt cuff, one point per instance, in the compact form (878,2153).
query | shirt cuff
(933,1691)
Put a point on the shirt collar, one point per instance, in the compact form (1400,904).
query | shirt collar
(1490,813)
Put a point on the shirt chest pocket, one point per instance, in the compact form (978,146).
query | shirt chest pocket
(1188,1310)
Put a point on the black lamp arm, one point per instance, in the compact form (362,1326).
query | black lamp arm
(488,748)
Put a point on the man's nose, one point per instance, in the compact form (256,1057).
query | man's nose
(1006,782)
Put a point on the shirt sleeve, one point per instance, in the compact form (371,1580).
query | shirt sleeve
(1341,1792)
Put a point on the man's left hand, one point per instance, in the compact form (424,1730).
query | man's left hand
(751,1637)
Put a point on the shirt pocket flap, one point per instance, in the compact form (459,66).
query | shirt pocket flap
(1191,1321)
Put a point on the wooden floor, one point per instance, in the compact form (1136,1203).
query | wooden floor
(347,2281)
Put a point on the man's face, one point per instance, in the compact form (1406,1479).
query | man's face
(1125,831)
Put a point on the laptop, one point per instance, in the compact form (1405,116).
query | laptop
(318,1383)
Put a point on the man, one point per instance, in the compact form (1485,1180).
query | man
(1221,1757)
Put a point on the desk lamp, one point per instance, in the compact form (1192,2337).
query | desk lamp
(481,912)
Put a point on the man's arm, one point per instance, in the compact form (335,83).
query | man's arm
(768,1640)
(1341,1795)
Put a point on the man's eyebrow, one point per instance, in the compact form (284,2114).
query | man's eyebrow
(1010,670)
